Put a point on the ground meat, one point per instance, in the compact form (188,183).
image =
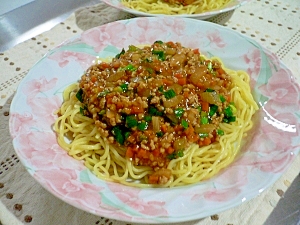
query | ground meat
(157,100)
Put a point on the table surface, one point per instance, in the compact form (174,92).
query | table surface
(274,24)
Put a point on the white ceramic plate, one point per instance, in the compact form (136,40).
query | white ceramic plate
(228,7)
(267,152)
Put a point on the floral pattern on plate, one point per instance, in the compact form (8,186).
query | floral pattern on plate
(267,151)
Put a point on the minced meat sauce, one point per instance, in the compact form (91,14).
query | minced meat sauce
(155,101)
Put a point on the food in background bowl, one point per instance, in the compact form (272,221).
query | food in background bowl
(173,7)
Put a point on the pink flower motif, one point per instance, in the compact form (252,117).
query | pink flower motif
(273,126)
(274,162)
(139,32)
(273,59)
(277,164)
(65,183)
(109,34)
(253,59)
(223,195)
(130,196)
(215,39)
(35,86)
(53,158)
(257,145)
(228,184)
(21,123)
(65,57)
(176,25)
(31,141)
(44,108)
(283,92)
(274,152)
(232,176)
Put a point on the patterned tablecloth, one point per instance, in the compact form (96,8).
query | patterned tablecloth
(274,24)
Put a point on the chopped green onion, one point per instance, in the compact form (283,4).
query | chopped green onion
(148,118)
(228,111)
(81,110)
(170,94)
(229,119)
(119,135)
(127,134)
(159,134)
(209,66)
(121,53)
(132,48)
(158,42)
(131,121)
(160,54)
(202,59)
(124,87)
(150,70)
(204,120)
(220,132)
(154,112)
(79,95)
(233,108)
(212,110)
(172,156)
(129,67)
(175,155)
(199,108)
(209,90)
(142,125)
(161,88)
(180,153)
(179,112)
(102,112)
(185,124)
(222,98)
(103,93)
(143,137)
(203,135)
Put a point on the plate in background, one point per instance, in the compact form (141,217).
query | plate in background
(228,7)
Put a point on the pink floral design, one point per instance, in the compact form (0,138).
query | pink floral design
(140,31)
(65,57)
(35,86)
(276,162)
(45,107)
(215,39)
(43,151)
(282,91)
(225,194)
(109,34)
(22,123)
(253,59)
(144,31)
(41,106)
(273,60)
(64,182)
(130,197)
(231,182)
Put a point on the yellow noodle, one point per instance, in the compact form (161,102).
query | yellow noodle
(78,135)
(162,7)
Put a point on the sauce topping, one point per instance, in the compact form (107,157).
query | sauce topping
(157,100)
